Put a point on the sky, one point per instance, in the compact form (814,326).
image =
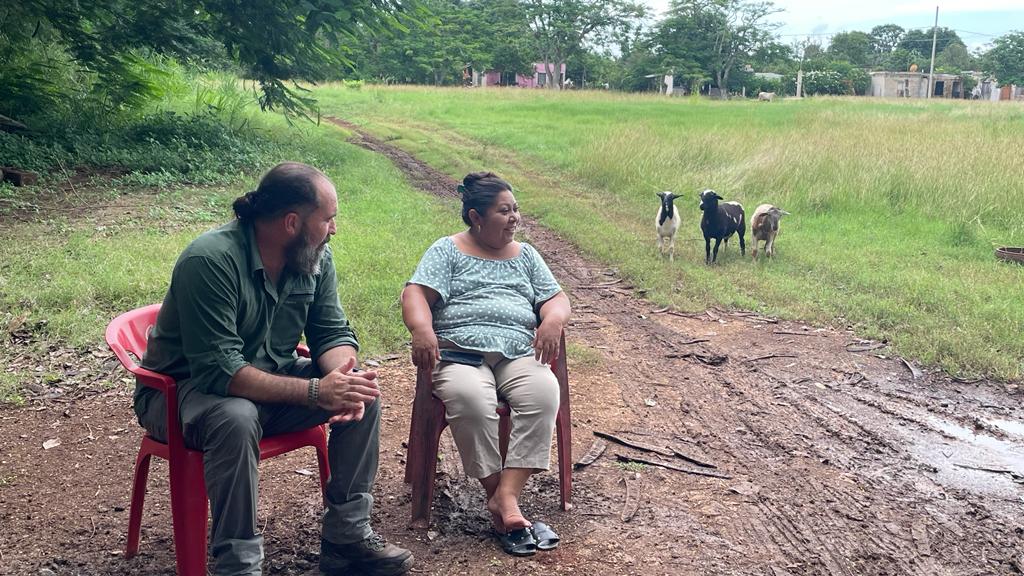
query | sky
(977,22)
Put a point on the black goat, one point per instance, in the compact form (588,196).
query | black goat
(720,222)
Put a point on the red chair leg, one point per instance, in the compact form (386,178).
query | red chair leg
(504,431)
(189,513)
(322,461)
(138,498)
(423,459)
(563,429)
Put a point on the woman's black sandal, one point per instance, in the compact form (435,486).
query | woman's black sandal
(519,542)
(545,537)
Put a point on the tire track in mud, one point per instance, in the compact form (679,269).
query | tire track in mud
(837,492)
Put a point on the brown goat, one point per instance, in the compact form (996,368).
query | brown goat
(764,226)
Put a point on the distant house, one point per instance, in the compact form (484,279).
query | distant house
(915,85)
(538,80)
(990,89)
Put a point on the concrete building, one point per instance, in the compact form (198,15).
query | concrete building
(915,85)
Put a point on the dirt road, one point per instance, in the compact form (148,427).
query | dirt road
(841,460)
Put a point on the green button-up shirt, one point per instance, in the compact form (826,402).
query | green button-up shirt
(222,312)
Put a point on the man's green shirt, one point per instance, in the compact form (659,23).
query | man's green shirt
(222,312)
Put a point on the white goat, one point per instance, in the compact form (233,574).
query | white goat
(667,223)
(764,226)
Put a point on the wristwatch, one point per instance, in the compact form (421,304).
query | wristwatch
(313,392)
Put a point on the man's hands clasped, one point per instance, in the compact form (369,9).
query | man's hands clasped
(346,392)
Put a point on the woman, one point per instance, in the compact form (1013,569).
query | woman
(479,294)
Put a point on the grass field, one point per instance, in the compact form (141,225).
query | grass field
(897,206)
(111,245)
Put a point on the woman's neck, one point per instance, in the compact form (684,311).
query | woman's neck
(471,243)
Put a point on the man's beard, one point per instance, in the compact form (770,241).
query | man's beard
(303,256)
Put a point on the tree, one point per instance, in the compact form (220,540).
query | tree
(1005,60)
(921,40)
(955,58)
(886,37)
(276,41)
(716,35)
(561,27)
(772,57)
(900,60)
(854,47)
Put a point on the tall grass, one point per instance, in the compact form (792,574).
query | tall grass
(896,205)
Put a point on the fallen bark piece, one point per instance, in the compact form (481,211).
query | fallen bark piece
(865,347)
(624,458)
(595,452)
(767,356)
(691,459)
(914,371)
(19,177)
(634,489)
(635,445)
(709,359)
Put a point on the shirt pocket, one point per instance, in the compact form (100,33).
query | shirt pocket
(290,320)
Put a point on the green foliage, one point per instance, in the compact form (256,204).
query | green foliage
(921,40)
(277,42)
(886,37)
(560,28)
(955,59)
(1006,59)
(857,48)
(478,34)
(701,39)
(901,59)
(836,78)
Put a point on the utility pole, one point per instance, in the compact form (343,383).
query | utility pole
(931,69)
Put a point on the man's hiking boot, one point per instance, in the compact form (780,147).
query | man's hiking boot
(373,556)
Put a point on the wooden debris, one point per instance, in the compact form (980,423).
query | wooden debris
(865,347)
(634,445)
(19,177)
(634,490)
(601,285)
(790,333)
(1016,477)
(691,459)
(709,359)
(767,356)
(914,371)
(688,342)
(595,452)
(855,378)
(624,458)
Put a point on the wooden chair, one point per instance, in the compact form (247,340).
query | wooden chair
(428,421)
(127,335)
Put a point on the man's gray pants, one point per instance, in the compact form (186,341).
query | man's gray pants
(228,430)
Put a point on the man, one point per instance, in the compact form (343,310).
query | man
(240,298)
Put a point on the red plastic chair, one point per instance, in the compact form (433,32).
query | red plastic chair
(127,334)
(428,422)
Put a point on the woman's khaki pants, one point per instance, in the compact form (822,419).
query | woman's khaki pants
(470,395)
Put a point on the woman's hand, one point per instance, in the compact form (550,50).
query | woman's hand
(425,351)
(546,341)
(554,313)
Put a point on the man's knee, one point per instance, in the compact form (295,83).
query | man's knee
(234,419)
